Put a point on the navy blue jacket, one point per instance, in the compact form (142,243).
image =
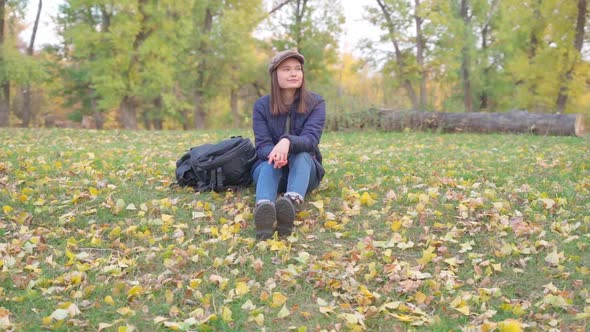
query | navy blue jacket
(306,129)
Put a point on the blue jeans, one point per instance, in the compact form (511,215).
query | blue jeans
(299,176)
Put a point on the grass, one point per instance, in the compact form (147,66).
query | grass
(430,232)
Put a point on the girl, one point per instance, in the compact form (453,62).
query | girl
(287,125)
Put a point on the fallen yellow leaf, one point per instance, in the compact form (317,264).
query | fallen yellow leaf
(427,255)
(134,291)
(367,200)
(7,209)
(278,299)
(463,309)
(226,314)
(242,288)
(109,300)
(419,297)
(284,312)
(510,326)
(396,225)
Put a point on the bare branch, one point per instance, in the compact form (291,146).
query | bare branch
(279,6)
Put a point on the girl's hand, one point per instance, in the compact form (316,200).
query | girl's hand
(280,153)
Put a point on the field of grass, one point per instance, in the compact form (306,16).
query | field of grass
(408,231)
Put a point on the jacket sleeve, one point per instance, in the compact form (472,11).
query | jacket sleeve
(261,127)
(309,139)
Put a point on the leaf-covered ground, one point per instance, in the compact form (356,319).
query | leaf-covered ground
(408,231)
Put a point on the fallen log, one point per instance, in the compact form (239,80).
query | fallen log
(516,121)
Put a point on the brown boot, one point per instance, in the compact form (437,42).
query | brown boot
(265,220)
(286,207)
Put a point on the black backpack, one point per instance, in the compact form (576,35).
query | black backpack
(217,167)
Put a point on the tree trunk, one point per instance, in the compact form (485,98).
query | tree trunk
(4,85)
(185,124)
(484,122)
(299,14)
(398,55)
(234,108)
(129,103)
(199,112)
(484,99)
(485,32)
(465,58)
(128,113)
(420,54)
(578,42)
(157,122)
(97,115)
(26,91)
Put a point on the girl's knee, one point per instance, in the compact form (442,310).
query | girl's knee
(302,157)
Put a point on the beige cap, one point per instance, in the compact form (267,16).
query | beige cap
(282,56)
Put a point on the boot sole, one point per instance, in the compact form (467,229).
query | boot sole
(285,216)
(264,219)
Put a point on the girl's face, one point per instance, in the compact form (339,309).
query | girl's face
(290,74)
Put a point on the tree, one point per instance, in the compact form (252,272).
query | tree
(466,57)
(26,92)
(125,56)
(221,48)
(13,67)
(313,30)
(577,52)
(4,82)
(394,16)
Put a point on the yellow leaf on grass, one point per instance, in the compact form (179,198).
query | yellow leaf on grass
(194,283)
(45,321)
(396,225)
(331,224)
(93,191)
(169,296)
(7,209)
(548,203)
(318,204)
(367,200)
(427,255)
(585,314)
(510,325)
(102,326)
(109,300)
(284,312)
(463,309)
(419,297)
(553,258)
(125,311)
(134,291)
(259,319)
(167,217)
(114,233)
(404,318)
(242,288)
(459,304)
(119,206)
(226,314)
(278,299)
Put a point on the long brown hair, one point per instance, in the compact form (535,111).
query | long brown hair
(277,106)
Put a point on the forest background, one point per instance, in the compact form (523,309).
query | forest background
(190,64)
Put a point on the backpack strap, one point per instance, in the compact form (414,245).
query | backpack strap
(213,179)
(219,179)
